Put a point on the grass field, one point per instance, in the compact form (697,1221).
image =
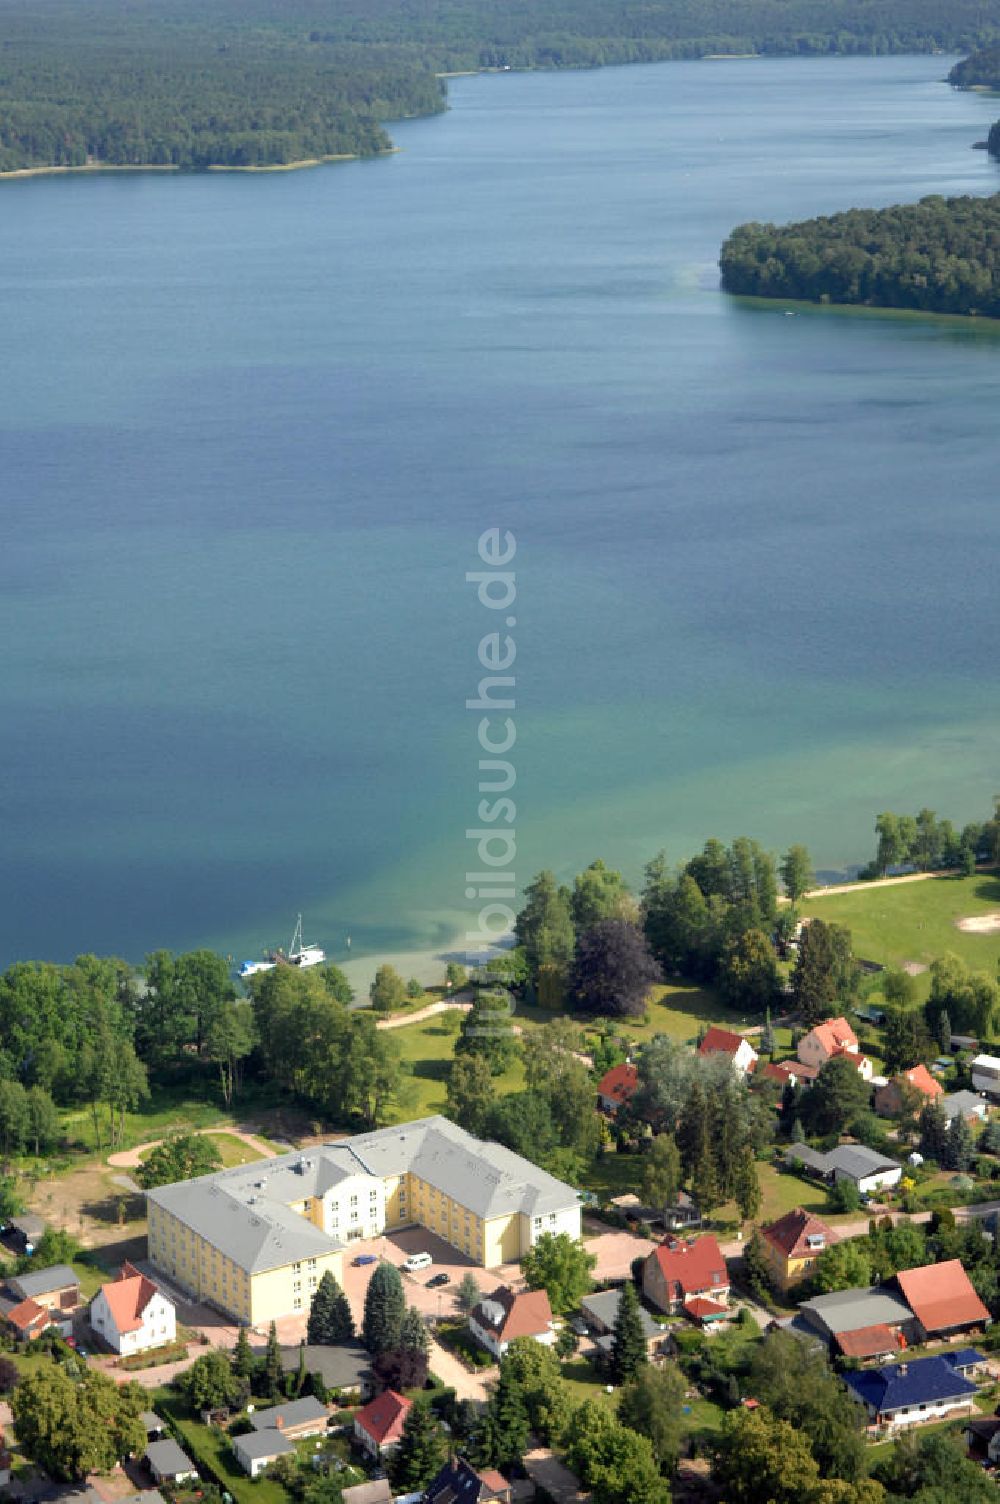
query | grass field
(429,1049)
(232,1150)
(916,921)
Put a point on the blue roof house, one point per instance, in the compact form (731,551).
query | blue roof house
(920,1389)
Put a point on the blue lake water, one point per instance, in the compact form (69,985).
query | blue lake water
(251,427)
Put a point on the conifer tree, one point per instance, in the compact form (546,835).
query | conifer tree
(244,1362)
(274,1372)
(628,1344)
(385,1307)
(502,1437)
(755,1268)
(413,1332)
(300,1377)
(749,1197)
(330,1319)
(421,1452)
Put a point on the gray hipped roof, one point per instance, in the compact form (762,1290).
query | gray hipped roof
(166,1457)
(259,1444)
(292,1413)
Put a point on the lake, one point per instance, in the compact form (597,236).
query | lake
(252,426)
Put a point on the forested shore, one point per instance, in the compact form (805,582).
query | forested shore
(263,83)
(941,255)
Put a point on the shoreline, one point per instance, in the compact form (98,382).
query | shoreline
(304,162)
(758,302)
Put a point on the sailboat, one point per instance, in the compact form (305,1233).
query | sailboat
(298,954)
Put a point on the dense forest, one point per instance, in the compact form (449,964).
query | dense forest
(981,71)
(255,82)
(940,256)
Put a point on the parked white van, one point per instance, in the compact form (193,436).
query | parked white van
(418,1261)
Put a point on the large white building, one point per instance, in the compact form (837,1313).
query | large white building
(255,1240)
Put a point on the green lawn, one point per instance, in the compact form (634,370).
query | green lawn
(232,1150)
(916,921)
(429,1048)
(583,1382)
(210,1447)
(681,1011)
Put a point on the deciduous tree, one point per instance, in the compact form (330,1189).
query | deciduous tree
(614,970)
(561,1266)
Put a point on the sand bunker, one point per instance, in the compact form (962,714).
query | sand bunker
(979,924)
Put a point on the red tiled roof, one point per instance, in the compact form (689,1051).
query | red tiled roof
(127,1298)
(867,1341)
(618,1083)
(721,1042)
(383,1417)
(494,1480)
(526,1314)
(790,1232)
(702,1309)
(921,1078)
(941,1296)
(688,1267)
(834,1034)
(28,1314)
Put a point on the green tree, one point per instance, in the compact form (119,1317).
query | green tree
(456,975)
(330,1319)
(273,1371)
(546,1398)
(749,1196)
(385,1306)
(244,1363)
(759,1459)
(842,1266)
(628,1344)
(650,1404)
(599,893)
(471,1093)
(756,1270)
(661,1174)
(14,1118)
(748,975)
(211,1383)
(797,873)
(413,1333)
(388,990)
(231,1037)
(502,1437)
(906,1040)
(43,1120)
(615,1463)
(182,1156)
(959,1145)
(72,1428)
(468,1294)
(825,975)
(795,1381)
(336,984)
(561,1266)
(487,1030)
(836,1097)
(414,988)
(55,1246)
(422,1450)
(544,927)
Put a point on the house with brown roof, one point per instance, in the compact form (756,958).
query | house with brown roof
(28,1320)
(501,1317)
(832,1037)
(131,1314)
(679,1269)
(740,1052)
(918,1084)
(378,1426)
(942,1299)
(790,1073)
(793,1244)
(616,1087)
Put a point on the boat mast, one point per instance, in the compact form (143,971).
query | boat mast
(295,949)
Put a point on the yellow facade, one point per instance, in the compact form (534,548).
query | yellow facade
(209,1276)
(786,1271)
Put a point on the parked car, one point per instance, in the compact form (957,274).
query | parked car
(438,1280)
(364,1258)
(417,1261)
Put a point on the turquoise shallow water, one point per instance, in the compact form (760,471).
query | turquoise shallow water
(251,427)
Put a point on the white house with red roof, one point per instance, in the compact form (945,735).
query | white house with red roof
(378,1426)
(616,1086)
(503,1316)
(832,1037)
(131,1314)
(741,1053)
(679,1271)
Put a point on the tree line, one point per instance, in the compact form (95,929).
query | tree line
(265,83)
(941,255)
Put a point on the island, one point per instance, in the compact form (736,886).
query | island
(941,255)
(981,71)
